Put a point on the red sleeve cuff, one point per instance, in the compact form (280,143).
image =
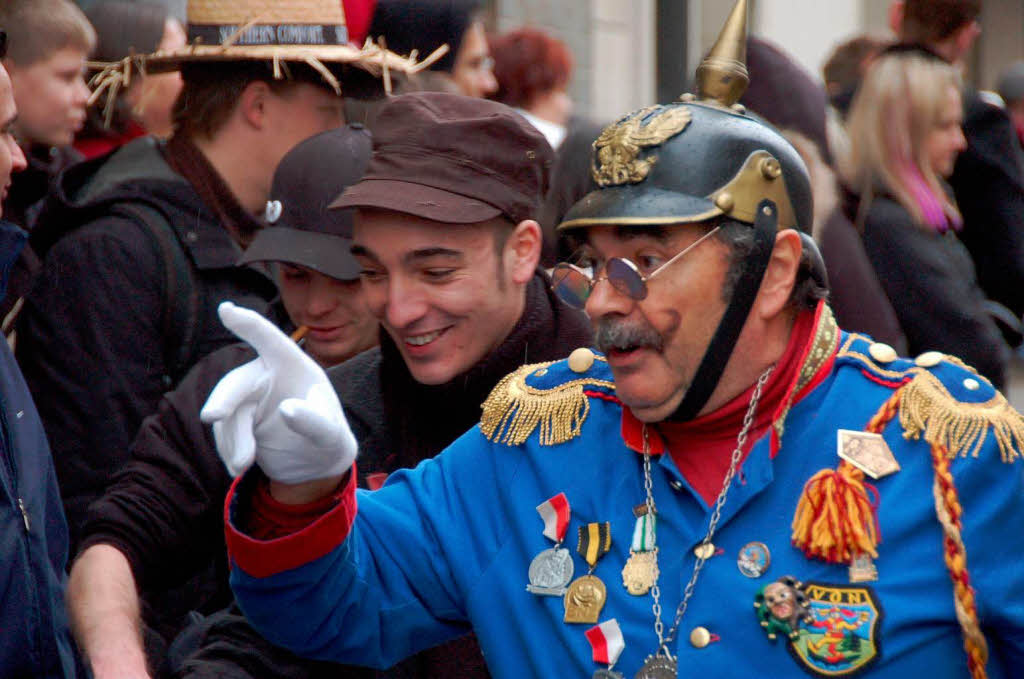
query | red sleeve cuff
(263,558)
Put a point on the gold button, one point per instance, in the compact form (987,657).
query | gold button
(700,637)
(929,359)
(972,384)
(581,360)
(882,353)
(704,551)
(724,202)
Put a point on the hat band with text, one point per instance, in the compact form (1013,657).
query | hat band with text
(268,34)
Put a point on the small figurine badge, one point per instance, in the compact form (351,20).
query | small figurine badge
(607,643)
(781,607)
(552,569)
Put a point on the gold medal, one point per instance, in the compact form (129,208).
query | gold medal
(585,599)
(640,572)
(587,594)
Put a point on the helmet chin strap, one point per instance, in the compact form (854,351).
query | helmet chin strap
(724,341)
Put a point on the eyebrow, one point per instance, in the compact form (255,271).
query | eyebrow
(415,255)
(658,233)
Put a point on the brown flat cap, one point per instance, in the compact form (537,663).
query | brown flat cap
(453,159)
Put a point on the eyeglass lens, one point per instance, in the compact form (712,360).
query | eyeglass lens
(574,285)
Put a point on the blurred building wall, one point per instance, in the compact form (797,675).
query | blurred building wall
(613,42)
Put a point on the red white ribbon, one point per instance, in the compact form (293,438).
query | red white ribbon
(555,514)
(607,642)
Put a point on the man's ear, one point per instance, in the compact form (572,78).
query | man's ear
(252,104)
(896,17)
(522,251)
(780,277)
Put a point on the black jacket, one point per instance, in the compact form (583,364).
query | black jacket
(988,182)
(36,641)
(163,510)
(930,280)
(91,337)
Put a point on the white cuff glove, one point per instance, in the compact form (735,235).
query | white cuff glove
(278,410)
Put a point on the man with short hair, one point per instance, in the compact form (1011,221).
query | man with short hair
(735,488)
(141,245)
(988,179)
(49,43)
(36,641)
(1011,89)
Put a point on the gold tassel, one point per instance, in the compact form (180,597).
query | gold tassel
(514,410)
(835,519)
(927,408)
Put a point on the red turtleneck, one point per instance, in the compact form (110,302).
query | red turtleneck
(703,447)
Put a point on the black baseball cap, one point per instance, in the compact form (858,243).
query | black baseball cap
(301,230)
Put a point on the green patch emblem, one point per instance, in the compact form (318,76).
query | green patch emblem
(840,636)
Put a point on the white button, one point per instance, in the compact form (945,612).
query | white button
(700,637)
(21,414)
(581,360)
(704,551)
(929,359)
(678,485)
(972,384)
(882,353)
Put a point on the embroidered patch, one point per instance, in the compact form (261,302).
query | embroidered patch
(840,637)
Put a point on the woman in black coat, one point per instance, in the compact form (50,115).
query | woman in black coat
(905,134)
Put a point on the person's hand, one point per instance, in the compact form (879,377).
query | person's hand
(278,410)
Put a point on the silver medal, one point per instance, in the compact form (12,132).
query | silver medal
(658,667)
(550,572)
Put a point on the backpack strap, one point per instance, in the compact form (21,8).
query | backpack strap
(182,298)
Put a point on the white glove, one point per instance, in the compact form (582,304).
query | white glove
(278,410)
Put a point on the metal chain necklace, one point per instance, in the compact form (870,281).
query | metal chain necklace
(662,663)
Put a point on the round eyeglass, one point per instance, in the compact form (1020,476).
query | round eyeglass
(574,284)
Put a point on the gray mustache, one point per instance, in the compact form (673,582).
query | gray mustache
(615,334)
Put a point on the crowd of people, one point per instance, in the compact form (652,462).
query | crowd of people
(313,307)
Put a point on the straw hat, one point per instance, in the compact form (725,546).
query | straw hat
(282,32)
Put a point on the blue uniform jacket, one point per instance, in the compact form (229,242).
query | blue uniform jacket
(35,640)
(447,546)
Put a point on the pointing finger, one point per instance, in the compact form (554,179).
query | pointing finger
(273,346)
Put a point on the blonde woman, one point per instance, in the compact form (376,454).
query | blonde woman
(905,134)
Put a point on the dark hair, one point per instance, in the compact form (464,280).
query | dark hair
(529,62)
(931,21)
(122,28)
(844,69)
(739,238)
(211,91)
(424,25)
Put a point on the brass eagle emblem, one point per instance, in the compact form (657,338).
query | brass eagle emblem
(617,150)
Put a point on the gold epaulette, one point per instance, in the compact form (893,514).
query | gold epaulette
(515,409)
(928,409)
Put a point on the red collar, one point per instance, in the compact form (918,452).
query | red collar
(805,363)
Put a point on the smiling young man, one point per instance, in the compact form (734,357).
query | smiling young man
(696,502)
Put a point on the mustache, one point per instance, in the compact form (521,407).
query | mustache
(613,333)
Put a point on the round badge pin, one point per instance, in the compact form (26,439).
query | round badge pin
(754,559)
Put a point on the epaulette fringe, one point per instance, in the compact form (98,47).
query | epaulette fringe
(927,408)
(514,410)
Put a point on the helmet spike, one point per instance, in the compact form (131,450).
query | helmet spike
(722,77)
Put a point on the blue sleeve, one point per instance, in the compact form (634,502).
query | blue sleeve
(399,582)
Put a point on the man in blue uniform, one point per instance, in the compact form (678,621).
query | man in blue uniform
(735,487)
